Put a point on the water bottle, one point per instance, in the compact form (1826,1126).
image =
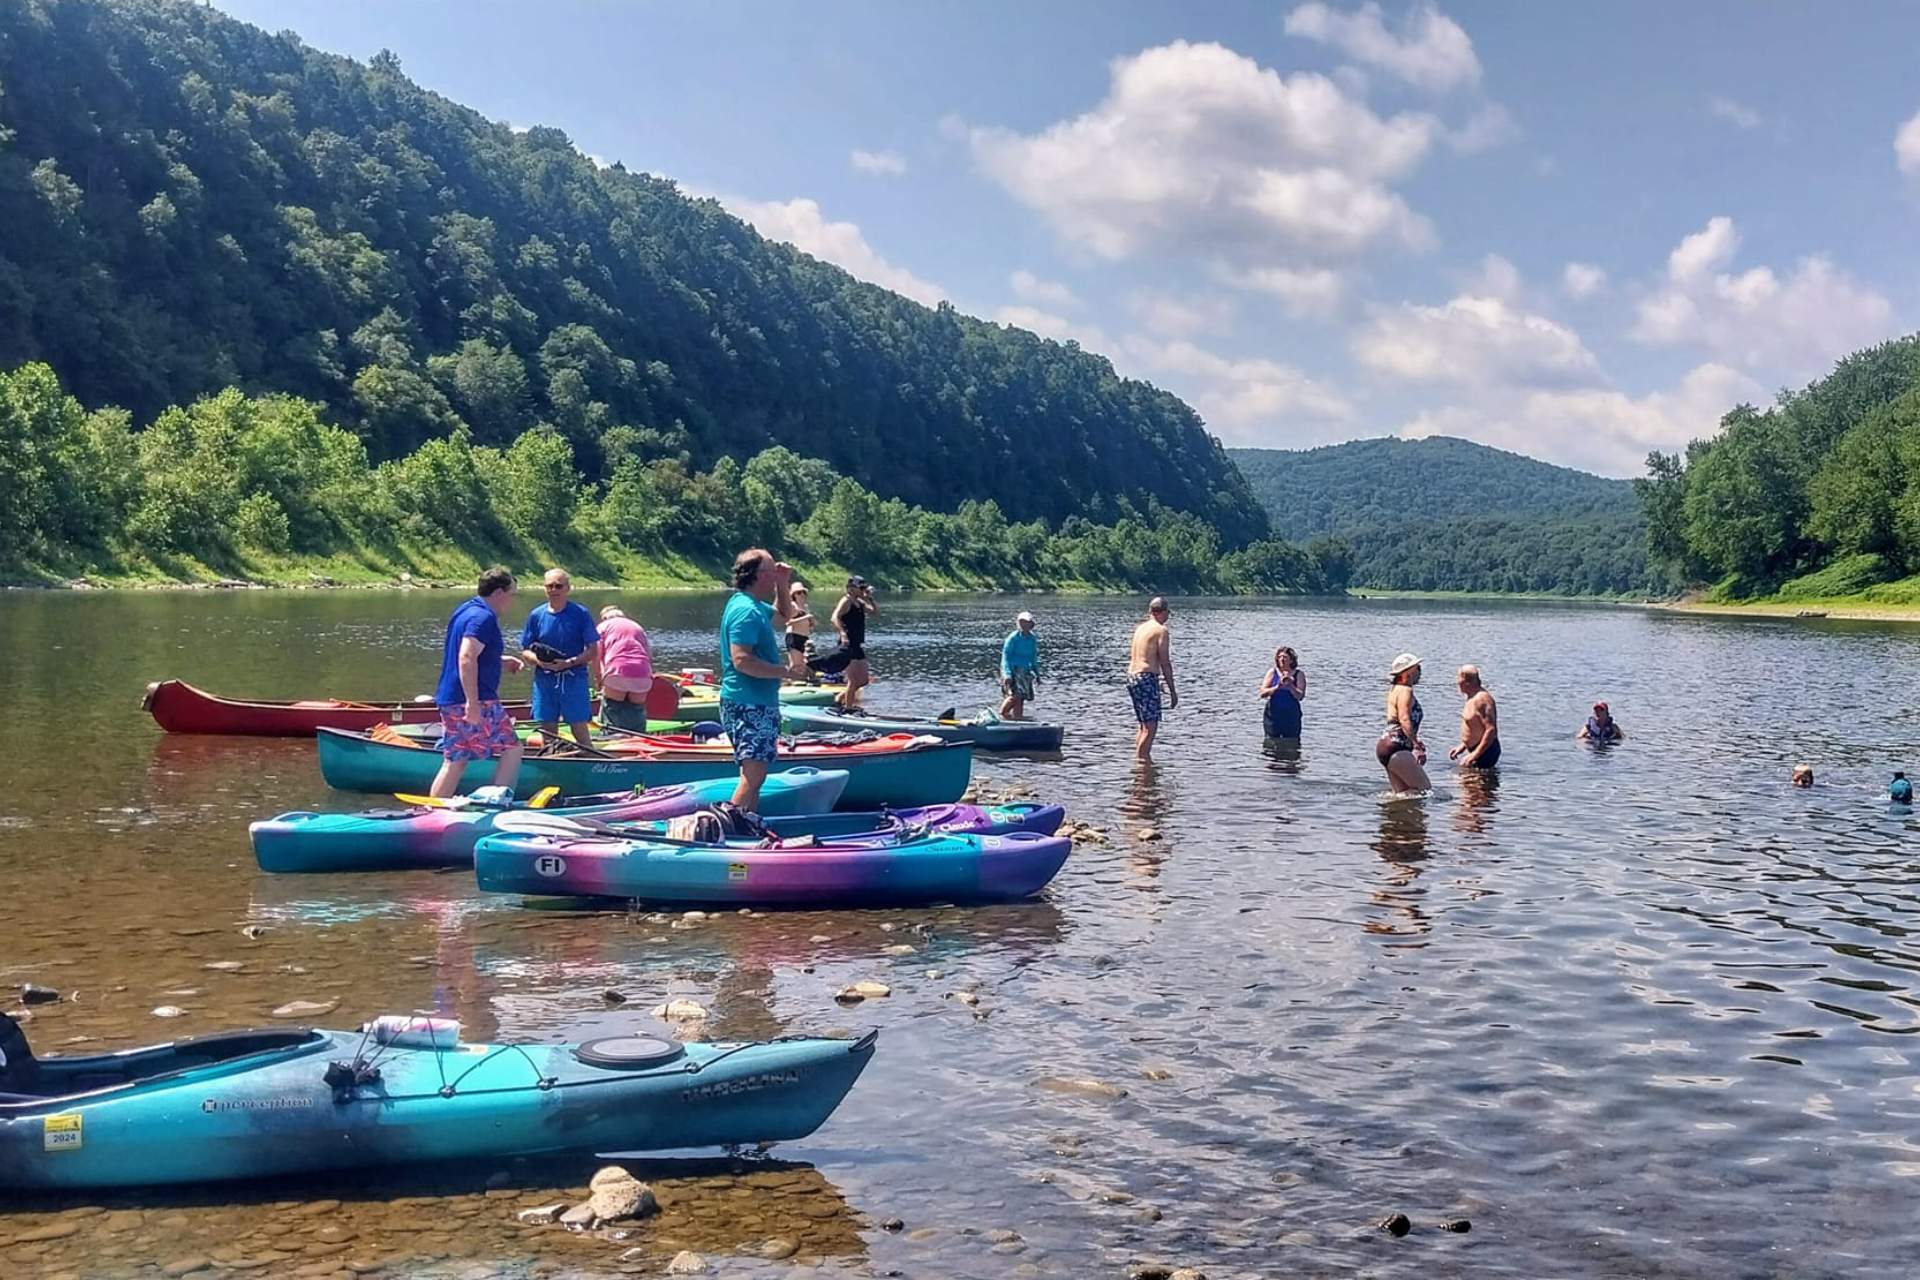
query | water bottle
(415,1031)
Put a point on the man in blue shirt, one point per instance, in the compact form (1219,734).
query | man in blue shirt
(1019,665)
(569,646)
(751,669)
(474,726)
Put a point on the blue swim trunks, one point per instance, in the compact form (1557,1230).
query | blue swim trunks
(754,731)
(562,696)
(1144,688)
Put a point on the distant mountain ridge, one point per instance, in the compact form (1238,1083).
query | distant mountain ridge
(1445,514)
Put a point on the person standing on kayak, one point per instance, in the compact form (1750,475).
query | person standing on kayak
(1479,724)
(473,724)
(626,670)
(1149,661)
(561,640)
(751,669)
(1019,667)
(1284,689)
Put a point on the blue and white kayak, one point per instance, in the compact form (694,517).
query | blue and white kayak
(985,732)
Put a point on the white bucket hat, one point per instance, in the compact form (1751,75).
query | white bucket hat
(1404,662)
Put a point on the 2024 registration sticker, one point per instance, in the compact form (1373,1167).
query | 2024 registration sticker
(62,1133)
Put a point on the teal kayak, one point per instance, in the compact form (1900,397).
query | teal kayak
(986,732)
(254,1104)
(902,772)
(425,836)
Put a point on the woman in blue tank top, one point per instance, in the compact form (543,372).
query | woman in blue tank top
(1282,691)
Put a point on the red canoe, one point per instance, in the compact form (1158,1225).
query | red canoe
(181,708)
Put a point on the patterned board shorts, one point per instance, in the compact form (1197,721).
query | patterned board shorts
(463,739)
(754,731)
(1020,683)
(1144,688)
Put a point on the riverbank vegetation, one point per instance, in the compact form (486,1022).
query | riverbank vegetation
(264,488)
(1813,500)
(191,203)
(1443,514)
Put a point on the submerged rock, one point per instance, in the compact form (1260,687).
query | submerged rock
(1079,1085)
(545,1215)
(687,1263)
(1396,1225)
(34,993)
(305,1008)
(169,1011)
(680,1010)
(1459,1226)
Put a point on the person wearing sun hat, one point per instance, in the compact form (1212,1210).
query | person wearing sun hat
(1019,667)
(1400,750)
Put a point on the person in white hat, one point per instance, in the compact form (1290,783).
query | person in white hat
(1400,750)
(1019,667)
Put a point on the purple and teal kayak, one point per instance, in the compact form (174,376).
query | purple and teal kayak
(853,859)
(424,837)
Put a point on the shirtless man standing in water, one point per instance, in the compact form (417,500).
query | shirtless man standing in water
(1479,724)
(1149,661)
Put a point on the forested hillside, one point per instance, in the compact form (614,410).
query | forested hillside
(1816,496)
(1449,515)
(188,203)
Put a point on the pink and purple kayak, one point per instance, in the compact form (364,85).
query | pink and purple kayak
(422,837)
(853,859)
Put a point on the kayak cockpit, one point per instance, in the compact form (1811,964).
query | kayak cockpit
(28,1081)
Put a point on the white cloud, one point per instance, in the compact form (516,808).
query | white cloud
(1582,280)
(1047,293)
(1245,400)
(801,223)
(1163,313)
(1785,327)
(1429,50)
(884,163)
(1906,146)
(1595,428)
(1496,278)
(1058,327)
(1489,127)
(1314,291)
(1473,340)
(1197,146)
(1737,114)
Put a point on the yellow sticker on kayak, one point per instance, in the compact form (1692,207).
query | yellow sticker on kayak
(736,871)
(62,1133)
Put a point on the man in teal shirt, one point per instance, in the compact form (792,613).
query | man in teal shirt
(751,669)
(1019,665)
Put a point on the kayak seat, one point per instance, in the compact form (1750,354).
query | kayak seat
(19,1070)
(70,1074)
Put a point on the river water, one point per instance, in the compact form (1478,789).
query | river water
(1640,1012)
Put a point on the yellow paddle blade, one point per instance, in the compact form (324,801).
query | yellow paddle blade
(540,797)
(419,802)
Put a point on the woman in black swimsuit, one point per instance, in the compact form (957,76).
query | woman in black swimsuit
(1399,749)
(850,619)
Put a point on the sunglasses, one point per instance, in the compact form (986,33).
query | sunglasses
(558,586)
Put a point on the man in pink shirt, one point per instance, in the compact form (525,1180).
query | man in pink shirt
(626,670)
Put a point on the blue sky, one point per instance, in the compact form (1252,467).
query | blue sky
(1580,232)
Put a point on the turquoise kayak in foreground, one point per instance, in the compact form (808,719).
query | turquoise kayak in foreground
(877,775)
(433,836)
(254,1104)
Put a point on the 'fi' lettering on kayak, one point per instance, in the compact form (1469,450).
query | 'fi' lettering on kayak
(745,1084)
